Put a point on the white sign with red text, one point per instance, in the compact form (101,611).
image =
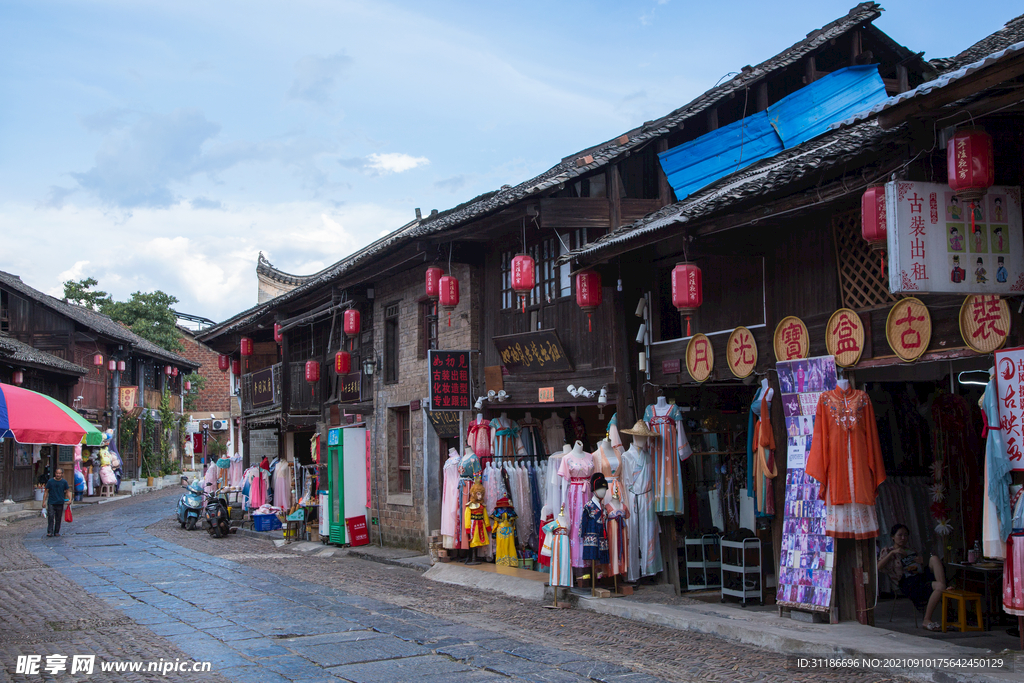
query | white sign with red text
(1010,385)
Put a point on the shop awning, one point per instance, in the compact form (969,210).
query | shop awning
(29,417)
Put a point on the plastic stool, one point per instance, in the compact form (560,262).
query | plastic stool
(961,598)
(106,491)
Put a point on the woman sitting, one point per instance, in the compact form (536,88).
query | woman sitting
(923,584)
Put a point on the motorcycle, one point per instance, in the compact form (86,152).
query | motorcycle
(217,514)
(190,504)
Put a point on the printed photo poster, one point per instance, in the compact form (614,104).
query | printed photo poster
(806,566)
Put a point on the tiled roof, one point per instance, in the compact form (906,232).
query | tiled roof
(92,320)
(1011,33)
(14,352)
(799,164)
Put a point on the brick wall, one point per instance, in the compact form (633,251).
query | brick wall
(262,442)
(215,396)
(403,517)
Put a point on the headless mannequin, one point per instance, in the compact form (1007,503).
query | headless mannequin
(598,500)
(528,418)
(843,384)
(768,392)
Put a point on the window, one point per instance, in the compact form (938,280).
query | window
(403,449)
(391,344)
(427,329)
(551,280)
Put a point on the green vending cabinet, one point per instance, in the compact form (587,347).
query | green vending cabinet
(336,483)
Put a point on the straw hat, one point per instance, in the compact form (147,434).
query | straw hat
(640,429)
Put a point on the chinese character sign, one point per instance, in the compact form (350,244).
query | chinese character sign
(791,339)
(1010,385)
(984,322)
(937,243)
(539,351)
(741,352)
(908,329)
(808,555)
(451,381)
(844,337)
(700,358)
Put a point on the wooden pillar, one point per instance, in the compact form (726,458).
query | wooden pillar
(712,119)
(613,182)
(665,194)
(855,47)
(811,72)
(669,551)
(761,95)
(246,457)
(902,78)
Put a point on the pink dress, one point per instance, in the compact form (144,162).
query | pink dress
(479,439)
(576,471)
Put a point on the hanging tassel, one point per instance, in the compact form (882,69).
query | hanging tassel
(523,300)
(449,318)
(590,326)
(688,326)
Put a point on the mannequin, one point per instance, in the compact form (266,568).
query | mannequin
(576,468)
(476,522)
(642,529)
(478,437)
(592,528)
(667,455)
(532,436)
(450,507)
(554,433)
(561,568)
(504,434)
(469,470)
(608,462)
(616,515)
(504,516)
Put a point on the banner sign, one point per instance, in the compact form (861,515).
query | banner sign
(808,555)
(445,422)
(938,243)
(539,351)
(350,387)
(263,387)
(450,380)
(1010,385)
(126,397)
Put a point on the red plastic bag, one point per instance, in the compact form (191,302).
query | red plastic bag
(67,515)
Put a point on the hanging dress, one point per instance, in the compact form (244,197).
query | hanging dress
(544,553)
(450,501)
(469,467)
(609,463)
(554,434)
(561,567)
(506,438)
(642,528)
(764,462)
(996,508)
(668,451)
(478,437)
(235,471)
(593,533)
(576,470)
(553,484)
(617,540)
(532,436)
(1013,565)
(613,434)
(505,554)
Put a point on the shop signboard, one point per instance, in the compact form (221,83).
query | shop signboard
(451,381)
(127,397)
(791,340)
(350,387)
(445,422)
(1010,385)
(539,351)
(546,395)
(807,561)
(844,337)
(263,387)
(741,352)
(908,328)
(940,244)
(984,322)
(700,357)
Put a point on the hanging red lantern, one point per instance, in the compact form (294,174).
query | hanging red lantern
(872,219)
(18,378)
(121,366)
(246,346)
(223,362)
(588,293)
(236,367)
(167,370)
(312,371)
(687,290)
(342,363)
(449,295)
(188,385)
(523,277)
(434,282)
(111,365)
(278,334)
(351,322)
(97,360)
(970,168)
(174,372)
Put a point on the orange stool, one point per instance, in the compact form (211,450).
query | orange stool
(962,599)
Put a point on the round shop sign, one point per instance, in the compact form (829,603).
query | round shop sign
(791,340)
(844,337)
(700,357)
(741,352)
(908,329)
(984,322)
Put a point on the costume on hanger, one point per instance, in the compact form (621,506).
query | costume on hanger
(1013,565)
(553,487)
(554,434)
(505,534)
(561,568)
(642,528)
(955,445)
(668,452)
(544,541)
(593,533)
(469,468)
(478,437)
(450,500)
(764,461)
(532,436)
(618,541)
(846,459)
(996,509)
(576,469)
(576,430)
(506,437)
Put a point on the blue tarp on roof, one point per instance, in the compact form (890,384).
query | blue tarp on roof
(795,119)
(702,161)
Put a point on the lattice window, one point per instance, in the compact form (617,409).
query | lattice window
(860,268)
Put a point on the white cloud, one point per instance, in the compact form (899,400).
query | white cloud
(75,272)
(395,162)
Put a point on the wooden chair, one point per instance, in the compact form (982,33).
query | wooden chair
(962,599)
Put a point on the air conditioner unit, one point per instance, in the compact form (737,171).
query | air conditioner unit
(220,425)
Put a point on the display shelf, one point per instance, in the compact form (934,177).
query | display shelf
(701,572)
(738,551)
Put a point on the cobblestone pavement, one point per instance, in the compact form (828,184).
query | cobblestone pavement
(263,614)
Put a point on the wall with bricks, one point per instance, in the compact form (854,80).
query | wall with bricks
(215,396)
(403,516)
(262,442)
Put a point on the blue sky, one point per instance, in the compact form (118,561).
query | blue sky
(164,145)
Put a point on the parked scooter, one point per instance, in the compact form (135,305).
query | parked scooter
(190,505)
(217,516)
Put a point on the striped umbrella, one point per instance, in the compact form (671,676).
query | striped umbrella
(30,417)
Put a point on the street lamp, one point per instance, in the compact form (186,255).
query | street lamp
(369,364)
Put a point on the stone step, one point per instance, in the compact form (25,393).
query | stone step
(6,508)
(20,514)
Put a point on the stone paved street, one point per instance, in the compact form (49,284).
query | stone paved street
(126,583)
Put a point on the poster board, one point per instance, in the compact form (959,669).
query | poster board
(807,559)
(1010,387)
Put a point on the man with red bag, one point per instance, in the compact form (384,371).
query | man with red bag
(56,495)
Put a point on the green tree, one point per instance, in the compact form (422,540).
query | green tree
(80,292)
(149,315)
(192,395)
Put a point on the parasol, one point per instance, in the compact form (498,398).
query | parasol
(30,417)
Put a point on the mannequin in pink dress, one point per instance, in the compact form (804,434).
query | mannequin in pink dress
(576,468)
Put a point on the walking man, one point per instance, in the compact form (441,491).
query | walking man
(56,495)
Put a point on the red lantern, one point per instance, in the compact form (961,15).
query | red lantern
(18,377)
(588,293)
(434,282)
(872,219)
(111,365)
(167,370)
(120,366)
(174,372)
(342,363)
(687,290)
(246,346)
(312,371)
(523,277)
(188,385)
(236,367)
(97,360)
(449,295)
(969,167)
(223,362)
(350,322)
(278,335)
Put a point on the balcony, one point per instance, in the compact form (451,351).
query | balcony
(303,397)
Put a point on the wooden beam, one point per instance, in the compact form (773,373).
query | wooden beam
(613,183)
(902,78)
(980,80)
(713,119)
(855,47)
(762,95)
(810,70)
(665,194)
